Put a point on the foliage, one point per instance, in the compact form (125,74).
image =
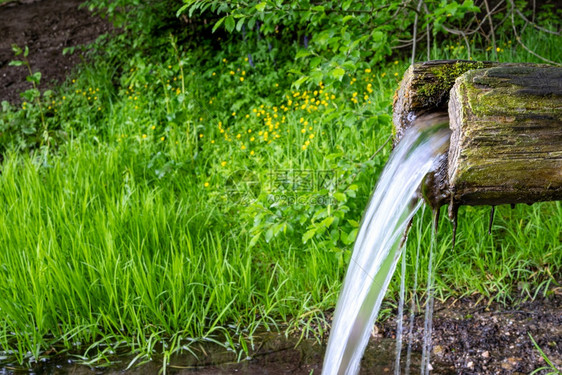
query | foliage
(336,39)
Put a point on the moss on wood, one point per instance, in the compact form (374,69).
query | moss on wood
(444,76)
(506,144)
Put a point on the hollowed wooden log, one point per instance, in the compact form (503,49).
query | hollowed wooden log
(506,141)
(506,121)
(424,89)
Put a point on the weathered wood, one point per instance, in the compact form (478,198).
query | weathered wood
(506,142)
(423,96)
(506,145)
(425,89)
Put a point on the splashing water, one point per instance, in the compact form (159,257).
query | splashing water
(377,249)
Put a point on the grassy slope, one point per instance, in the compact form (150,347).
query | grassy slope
(131,230)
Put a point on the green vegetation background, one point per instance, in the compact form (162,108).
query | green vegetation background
(203,175)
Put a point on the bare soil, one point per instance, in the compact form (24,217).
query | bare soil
(46,27)
(480,338)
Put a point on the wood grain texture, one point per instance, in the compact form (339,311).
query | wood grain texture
(425,89)
(506,121)
(506,142)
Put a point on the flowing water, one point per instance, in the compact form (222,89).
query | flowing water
(378,247)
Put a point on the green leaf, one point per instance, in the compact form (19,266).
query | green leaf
(229,23)
(182,9)
(378,36)
(239,24)
(327,221)
(317,76)
(322,38)
(300,81)
(68,50)
(261,6)
(35,77)
(251,23)
(269,234)
(16,63)
(217,25)
(341,197)
(348,238)
(28,130)
(308,235)
(17,50)
(254,240)
(6,106)
(315,61)
(353,223)
(349,65)
(30,94)
(337,73)
(302,53)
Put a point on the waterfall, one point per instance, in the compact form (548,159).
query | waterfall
(377,247)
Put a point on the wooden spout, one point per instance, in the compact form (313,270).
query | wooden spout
(506,122)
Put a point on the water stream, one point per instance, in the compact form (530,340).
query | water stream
(378,247)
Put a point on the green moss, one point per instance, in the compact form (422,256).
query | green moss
(445,76)
(514,92)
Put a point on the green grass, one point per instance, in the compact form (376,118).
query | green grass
(124,226)
(101,251)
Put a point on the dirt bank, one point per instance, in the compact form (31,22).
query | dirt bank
(46,27)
